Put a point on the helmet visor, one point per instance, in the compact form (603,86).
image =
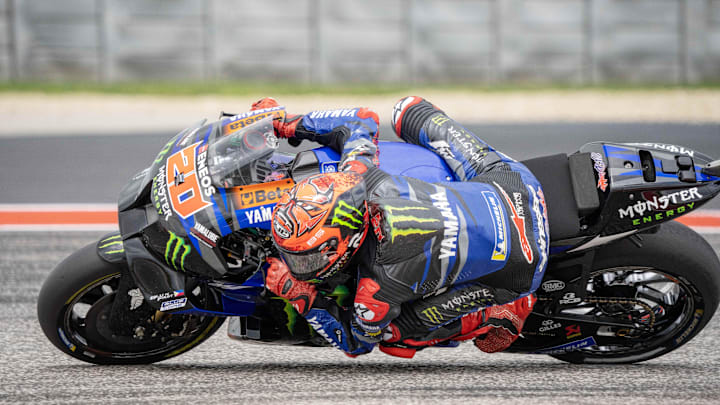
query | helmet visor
(306,265)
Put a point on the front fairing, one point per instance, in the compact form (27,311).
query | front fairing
(208,182)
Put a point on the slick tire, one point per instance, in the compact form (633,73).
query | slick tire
(73,310)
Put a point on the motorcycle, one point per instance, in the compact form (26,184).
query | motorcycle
(624,283)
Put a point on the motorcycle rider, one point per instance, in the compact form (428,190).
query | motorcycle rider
(461,259)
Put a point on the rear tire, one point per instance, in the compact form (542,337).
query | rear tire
(689,261)
(73,311)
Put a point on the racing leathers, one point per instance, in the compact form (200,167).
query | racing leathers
(435,253)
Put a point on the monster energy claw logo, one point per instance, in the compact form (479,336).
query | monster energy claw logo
(393,219)
(171,253)
(433,315)
(114,244)
(343,213)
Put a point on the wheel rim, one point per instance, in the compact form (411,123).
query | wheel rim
(662,307)
(85,328)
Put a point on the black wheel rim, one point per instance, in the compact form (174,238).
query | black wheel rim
(83,327)
(663,310)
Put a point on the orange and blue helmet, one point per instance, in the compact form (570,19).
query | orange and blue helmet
(321,223)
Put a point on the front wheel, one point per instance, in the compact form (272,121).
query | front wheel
(667,290)
(74,311)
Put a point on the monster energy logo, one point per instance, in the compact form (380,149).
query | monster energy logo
(345,211)
(392,219)
(171,254)
(114,241)
(433,315)
(291,314)
(164,150)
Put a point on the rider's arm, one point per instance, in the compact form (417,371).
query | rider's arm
(351,132)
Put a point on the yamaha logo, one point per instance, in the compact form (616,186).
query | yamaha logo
(553,285)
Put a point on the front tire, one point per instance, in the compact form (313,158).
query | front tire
(675,261)
(74,312)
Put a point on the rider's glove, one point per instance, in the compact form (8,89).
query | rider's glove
(284,126)
(504,323)
(281,283)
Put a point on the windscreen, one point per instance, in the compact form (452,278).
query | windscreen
(234,158)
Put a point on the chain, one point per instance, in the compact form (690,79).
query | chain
(608,300)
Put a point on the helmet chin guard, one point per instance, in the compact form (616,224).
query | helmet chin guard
(320,224)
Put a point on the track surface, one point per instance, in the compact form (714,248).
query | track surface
(222,370)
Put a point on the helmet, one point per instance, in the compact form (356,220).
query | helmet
(320,223)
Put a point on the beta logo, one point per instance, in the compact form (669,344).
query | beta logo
(188,180)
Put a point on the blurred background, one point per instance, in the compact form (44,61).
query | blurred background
(375,41)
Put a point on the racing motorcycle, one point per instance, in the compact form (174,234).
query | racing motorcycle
(624,282)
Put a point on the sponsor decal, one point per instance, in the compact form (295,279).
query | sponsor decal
(329,167)
(113,244)
(398,109)
(469,300)
(345,214)
(363,312)
(351,112)
(240,121)
(442,148)
(600,167)
(136,298)
(259,215)
(667,147)
(260,194)
(472,149)
(188,180)
(439,119)
(553,285)
(696,319)
(204,235)
(173,304)
(542,219)
(159,191)
(433,315)
(548,325)
(499,252)
(164,151)
(572,331)
(517,215)
(661,203)
(659,216)
(313,321)
(448,245)
(376,222)
(167,295)
(568,347)
(569,298)
(396,215)
(319,234)
(176,249)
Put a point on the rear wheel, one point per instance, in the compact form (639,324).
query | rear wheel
(74,310)
(644,302)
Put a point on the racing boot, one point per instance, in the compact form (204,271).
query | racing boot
(503,324)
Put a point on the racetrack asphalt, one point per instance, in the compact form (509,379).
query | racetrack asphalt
(227,371)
